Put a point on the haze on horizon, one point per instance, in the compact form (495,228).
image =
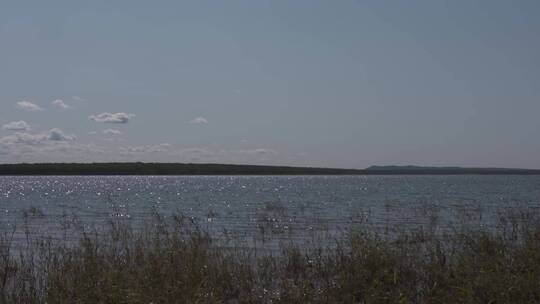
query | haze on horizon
(306,83)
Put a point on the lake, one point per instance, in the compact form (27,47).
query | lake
(265,210)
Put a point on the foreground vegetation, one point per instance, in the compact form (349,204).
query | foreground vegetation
(173,261)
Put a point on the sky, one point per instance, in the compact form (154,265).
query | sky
(308,83)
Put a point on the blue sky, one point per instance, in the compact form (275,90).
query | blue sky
(317,83)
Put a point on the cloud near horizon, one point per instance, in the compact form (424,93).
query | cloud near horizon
(54,134)
(115,118)
(29,106)
(164,147)
(57,134)
(51,146)
(20,125)
(198,120)
(112,132)
(60,104)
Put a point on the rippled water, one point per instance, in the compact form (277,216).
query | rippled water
(252,208)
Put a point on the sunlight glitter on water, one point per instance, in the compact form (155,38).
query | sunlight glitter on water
(279,207)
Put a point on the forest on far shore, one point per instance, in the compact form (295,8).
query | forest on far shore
(139,168)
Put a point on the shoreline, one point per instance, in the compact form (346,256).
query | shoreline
(186,169)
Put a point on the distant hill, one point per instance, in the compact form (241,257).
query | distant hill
(224,169)
(409,167)
(445,170)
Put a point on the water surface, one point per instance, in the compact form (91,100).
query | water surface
(254,209)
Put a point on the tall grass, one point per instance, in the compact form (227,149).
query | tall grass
(172,260)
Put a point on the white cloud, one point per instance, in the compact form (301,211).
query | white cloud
(23,139)
(52,146)
(196,155)
(59,135)
(198,120)
(17,126)
(118,118)
(55,145)
(263,151)
(77,98)
(164,147)
(111,132)
(223,155)
(39,139)
(28,106)
(256,152)
(59,103)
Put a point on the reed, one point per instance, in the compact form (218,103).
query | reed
(173,260)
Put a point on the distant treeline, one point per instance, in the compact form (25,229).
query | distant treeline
(162,169)
(222,169)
